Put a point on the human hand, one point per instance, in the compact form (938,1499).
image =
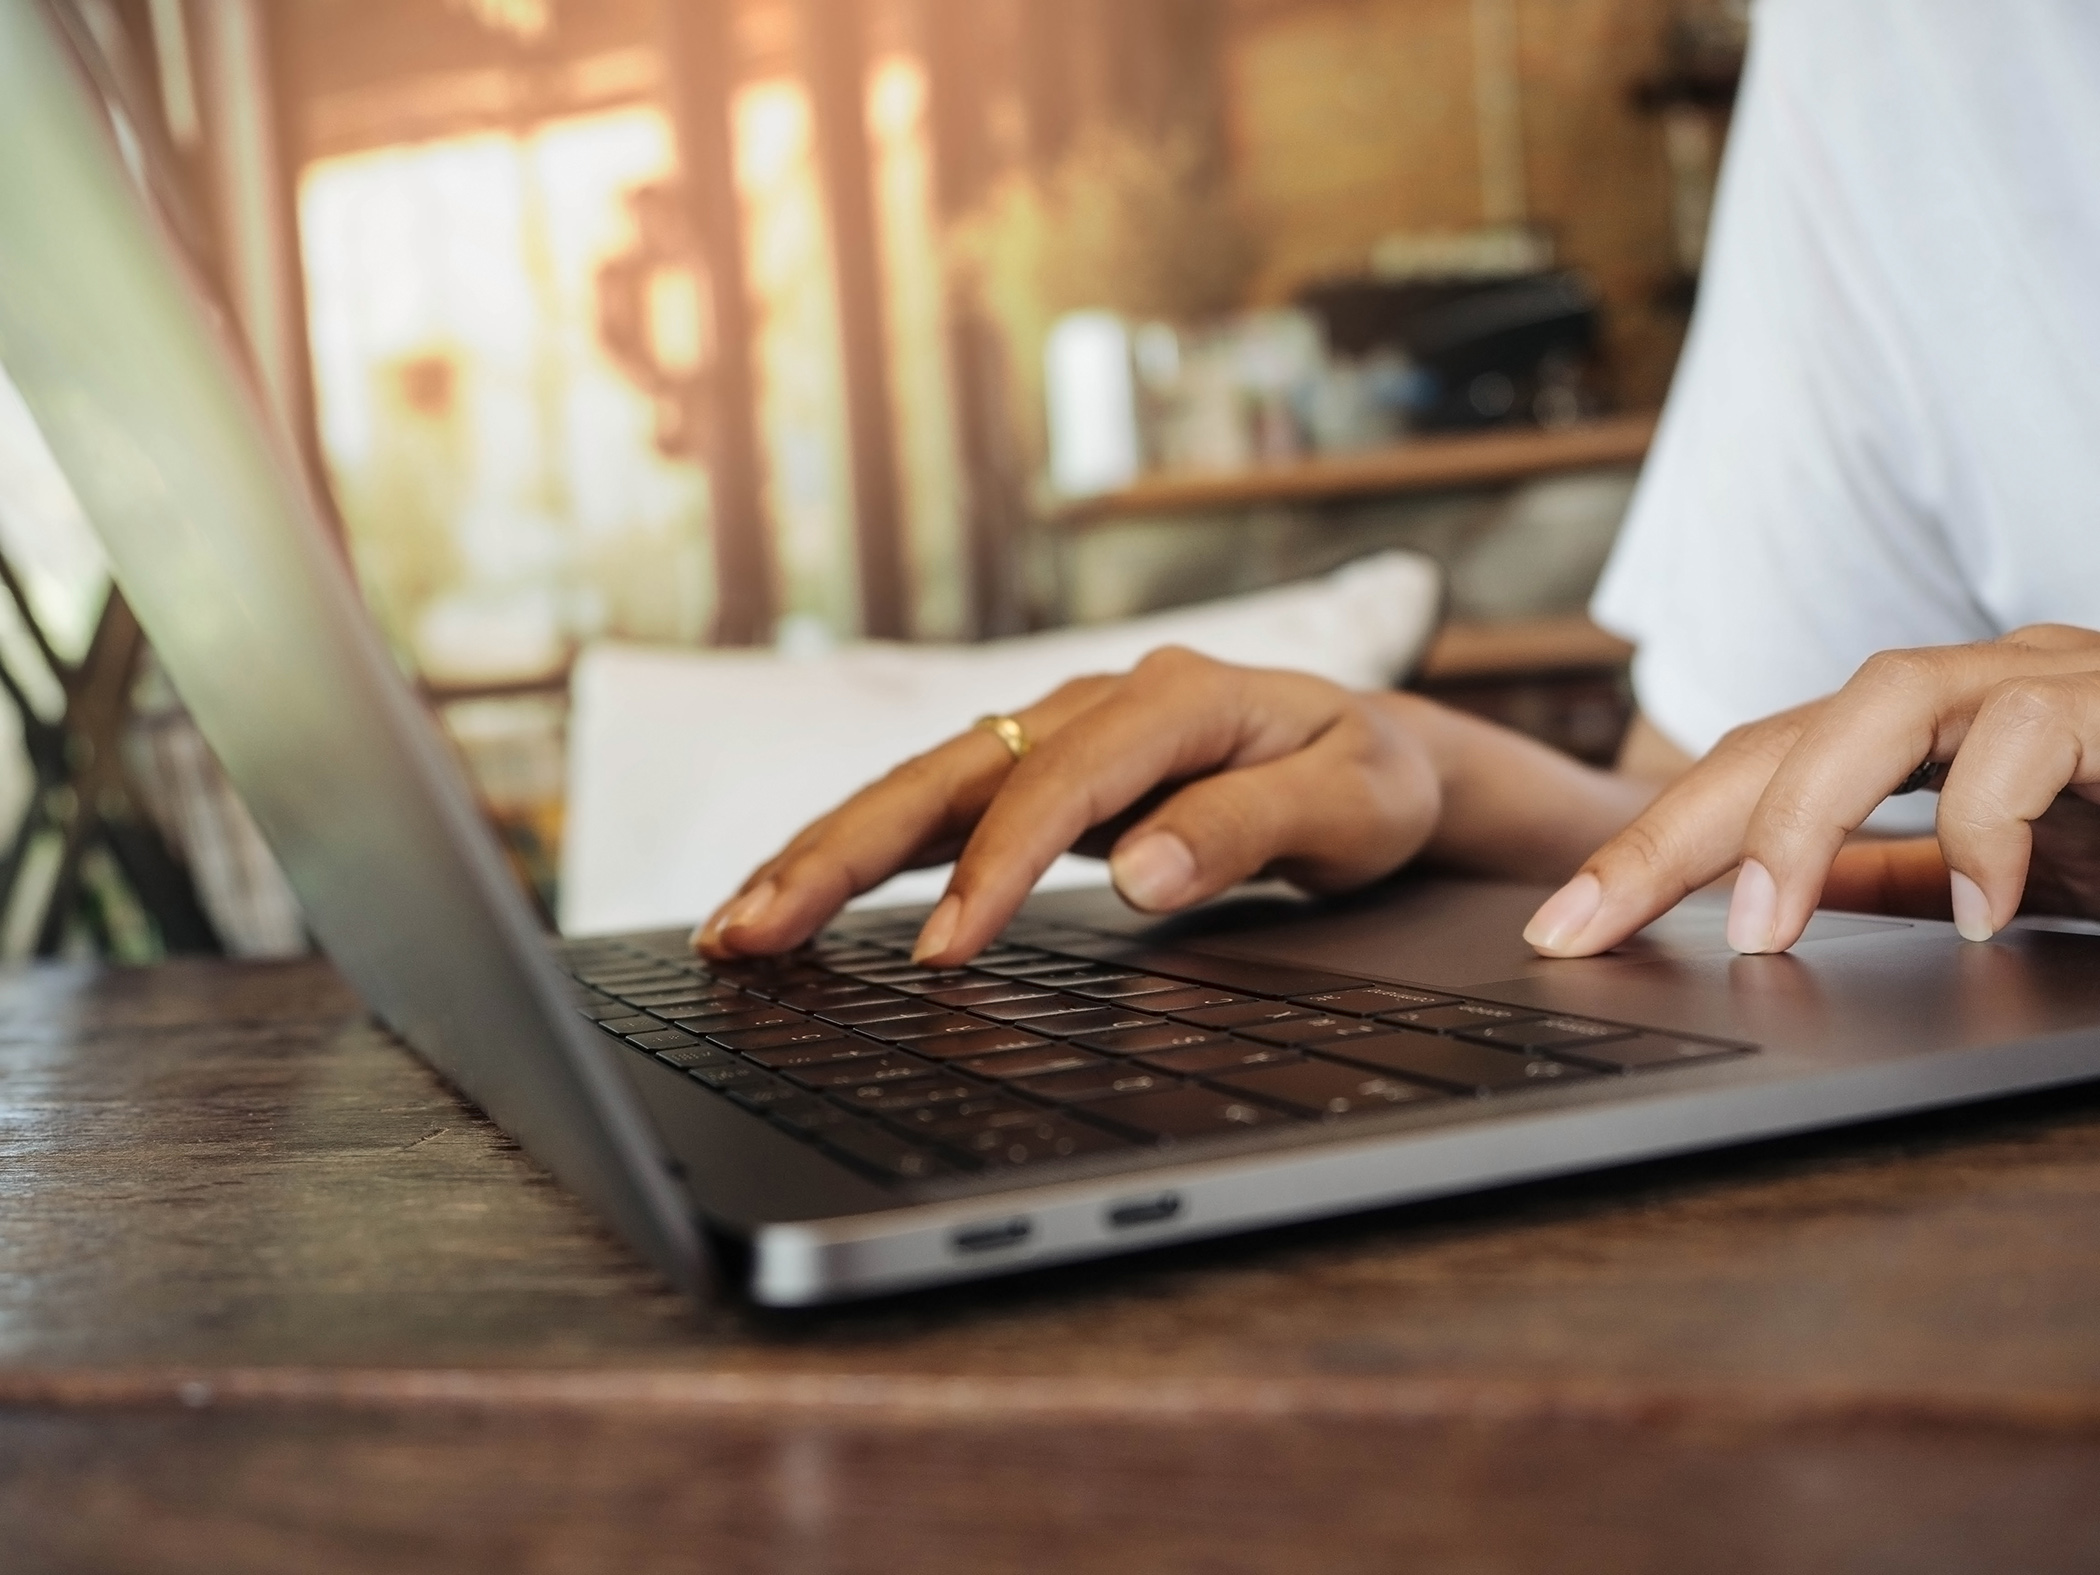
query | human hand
(2015,722)
(1189,775)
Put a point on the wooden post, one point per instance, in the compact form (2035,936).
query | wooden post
(834,49)
(699,40)
(952,38)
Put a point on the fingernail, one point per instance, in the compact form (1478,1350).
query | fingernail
(1972,909)
(747,909)
(710,934)
(939,930)
(1563,917)
(1753,912)
(1154,871)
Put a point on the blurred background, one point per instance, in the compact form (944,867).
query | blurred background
(794,322)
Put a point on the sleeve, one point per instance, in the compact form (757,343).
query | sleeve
(1784,527)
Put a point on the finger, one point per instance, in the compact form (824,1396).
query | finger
(1900,708)
(1343,811)
(1691,835)
(2053,637)
(2031,738)
(896,823)
(916,815)
(1178,716)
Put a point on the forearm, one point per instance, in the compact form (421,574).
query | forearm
(1511,806)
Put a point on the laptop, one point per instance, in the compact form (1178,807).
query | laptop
(839,1123)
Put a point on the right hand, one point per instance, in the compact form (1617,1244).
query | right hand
(1189,774)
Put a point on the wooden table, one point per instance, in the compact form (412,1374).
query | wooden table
(273,1300)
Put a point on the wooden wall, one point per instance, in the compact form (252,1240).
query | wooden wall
(1352,119)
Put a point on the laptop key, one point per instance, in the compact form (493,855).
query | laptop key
(968,997)
(780,1038)
(1243,1014)
(662,1039)
(890,1009)
(1456,1019)
(1188,998)
(723,1077)
(1371,999)
(659,1001)
(1033,1006)
(910,1030)
(1221,1055)
(979,1041)
(1453,1063)
(740,1022)
(1128,987)
(887,1068)
(1177,1115)
(821,1053)
(689,1056)
(1027,967)
(927,1093)
(1325,1089)
(1646,1052)
(632,1023)
(882,1150)
(1095,1082)
(1017,1064)
(1306,1031)
(836,992)
(1151,1037)
(1101,1020)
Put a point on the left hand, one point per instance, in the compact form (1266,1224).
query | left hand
(2015,720)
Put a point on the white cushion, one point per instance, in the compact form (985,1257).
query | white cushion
(686,768)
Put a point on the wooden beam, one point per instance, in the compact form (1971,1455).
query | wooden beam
(699,40)
(952,37)
(835,58)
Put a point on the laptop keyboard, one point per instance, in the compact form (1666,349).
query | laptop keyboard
(1031,1055)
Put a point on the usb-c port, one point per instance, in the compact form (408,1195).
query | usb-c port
(988,1238)
(1145,1211)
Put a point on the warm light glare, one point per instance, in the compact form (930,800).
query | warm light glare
(497,470)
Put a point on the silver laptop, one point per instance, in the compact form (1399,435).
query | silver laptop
(840,1123)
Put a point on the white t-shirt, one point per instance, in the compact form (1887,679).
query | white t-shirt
(1885,431)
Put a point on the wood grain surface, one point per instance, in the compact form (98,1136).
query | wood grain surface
(272,1298)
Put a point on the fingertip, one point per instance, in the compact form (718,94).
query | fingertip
(938,933)
(1753,909)
(1972,909)
(1154,872)
(1564,919)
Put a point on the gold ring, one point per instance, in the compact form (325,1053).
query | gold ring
(1009,731)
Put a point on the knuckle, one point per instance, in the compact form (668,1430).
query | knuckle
(2049,637)
(1167,663)
(1767,741)
(918,774)
(2023,703)
(1642,847)
(1898,672)
(1787,820)
(1086,687)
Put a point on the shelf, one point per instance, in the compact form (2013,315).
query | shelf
(1524,647)
(1426,464)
